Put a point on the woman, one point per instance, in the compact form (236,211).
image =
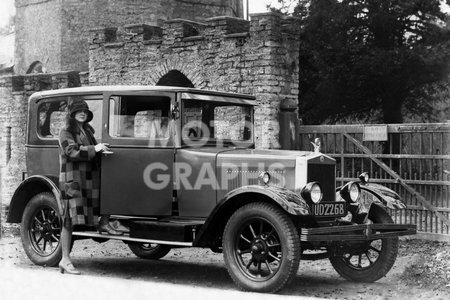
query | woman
(79,179)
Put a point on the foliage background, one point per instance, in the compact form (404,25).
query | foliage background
(378,61)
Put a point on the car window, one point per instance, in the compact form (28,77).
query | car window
(52,113)
(141,117)
(216,121)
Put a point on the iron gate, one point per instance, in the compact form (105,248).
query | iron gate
(414,161)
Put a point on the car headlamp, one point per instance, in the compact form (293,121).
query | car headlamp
(312,192)
(364,177)
(351,192)
(264,177)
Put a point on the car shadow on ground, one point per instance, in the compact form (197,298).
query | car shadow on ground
(195,273)
(203,275)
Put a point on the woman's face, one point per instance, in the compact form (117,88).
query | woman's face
(81,116)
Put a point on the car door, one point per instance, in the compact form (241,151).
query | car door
(136,177)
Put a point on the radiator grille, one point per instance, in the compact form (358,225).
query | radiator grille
(326,176)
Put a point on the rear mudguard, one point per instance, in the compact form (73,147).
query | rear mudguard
(372,193)
(31,186)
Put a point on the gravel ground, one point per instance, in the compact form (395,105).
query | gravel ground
(430,265)
(422,270)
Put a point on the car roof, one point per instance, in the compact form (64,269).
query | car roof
(133,88)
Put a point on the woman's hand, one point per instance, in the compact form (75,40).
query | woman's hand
(100,147)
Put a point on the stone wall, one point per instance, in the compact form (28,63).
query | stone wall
(259,57)
(14,94)
(53,32)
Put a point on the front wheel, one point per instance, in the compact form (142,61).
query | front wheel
(41,230)
(366,261)
(148,250)
(261,247)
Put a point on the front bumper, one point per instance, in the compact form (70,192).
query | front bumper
(364,232)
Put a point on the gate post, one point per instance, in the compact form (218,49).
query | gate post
(289,123)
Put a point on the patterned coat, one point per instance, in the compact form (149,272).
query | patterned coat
(79,177)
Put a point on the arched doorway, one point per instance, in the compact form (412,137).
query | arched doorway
(175,78)
(36,67)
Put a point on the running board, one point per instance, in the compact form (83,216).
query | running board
(126,237)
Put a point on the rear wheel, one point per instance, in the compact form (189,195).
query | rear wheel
(148,250)
(366,261)
(261,247)
(41,230)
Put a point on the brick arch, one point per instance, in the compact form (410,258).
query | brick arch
(175,78)
(191,72)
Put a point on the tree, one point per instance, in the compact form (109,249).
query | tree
(374,60)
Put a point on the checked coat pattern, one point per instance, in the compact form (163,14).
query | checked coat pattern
(79,177)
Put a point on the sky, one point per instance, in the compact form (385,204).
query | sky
(6,10)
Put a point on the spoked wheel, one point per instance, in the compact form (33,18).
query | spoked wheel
(41,230)
(261,248)
(148,250)
(366,261)
(364,255)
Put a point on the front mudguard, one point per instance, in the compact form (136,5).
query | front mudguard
(291,202)
(372,193)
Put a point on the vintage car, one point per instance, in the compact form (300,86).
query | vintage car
(184,172)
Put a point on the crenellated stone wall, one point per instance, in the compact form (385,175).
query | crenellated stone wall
(259,57)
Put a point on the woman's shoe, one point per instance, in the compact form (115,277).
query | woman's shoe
(108,229)
(117,225)
(68,268)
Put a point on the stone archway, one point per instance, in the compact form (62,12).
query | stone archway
(36,67)
(175,68)
(175,78)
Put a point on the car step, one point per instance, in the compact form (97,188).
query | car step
(170,230)
(127,238)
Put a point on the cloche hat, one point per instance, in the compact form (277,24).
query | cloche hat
(80,105)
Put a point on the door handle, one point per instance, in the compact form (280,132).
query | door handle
(106,153)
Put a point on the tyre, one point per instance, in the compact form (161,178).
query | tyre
(367,261)
(149,251)
(41,230)
(261,247)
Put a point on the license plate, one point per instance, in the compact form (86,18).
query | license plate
(329,209)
